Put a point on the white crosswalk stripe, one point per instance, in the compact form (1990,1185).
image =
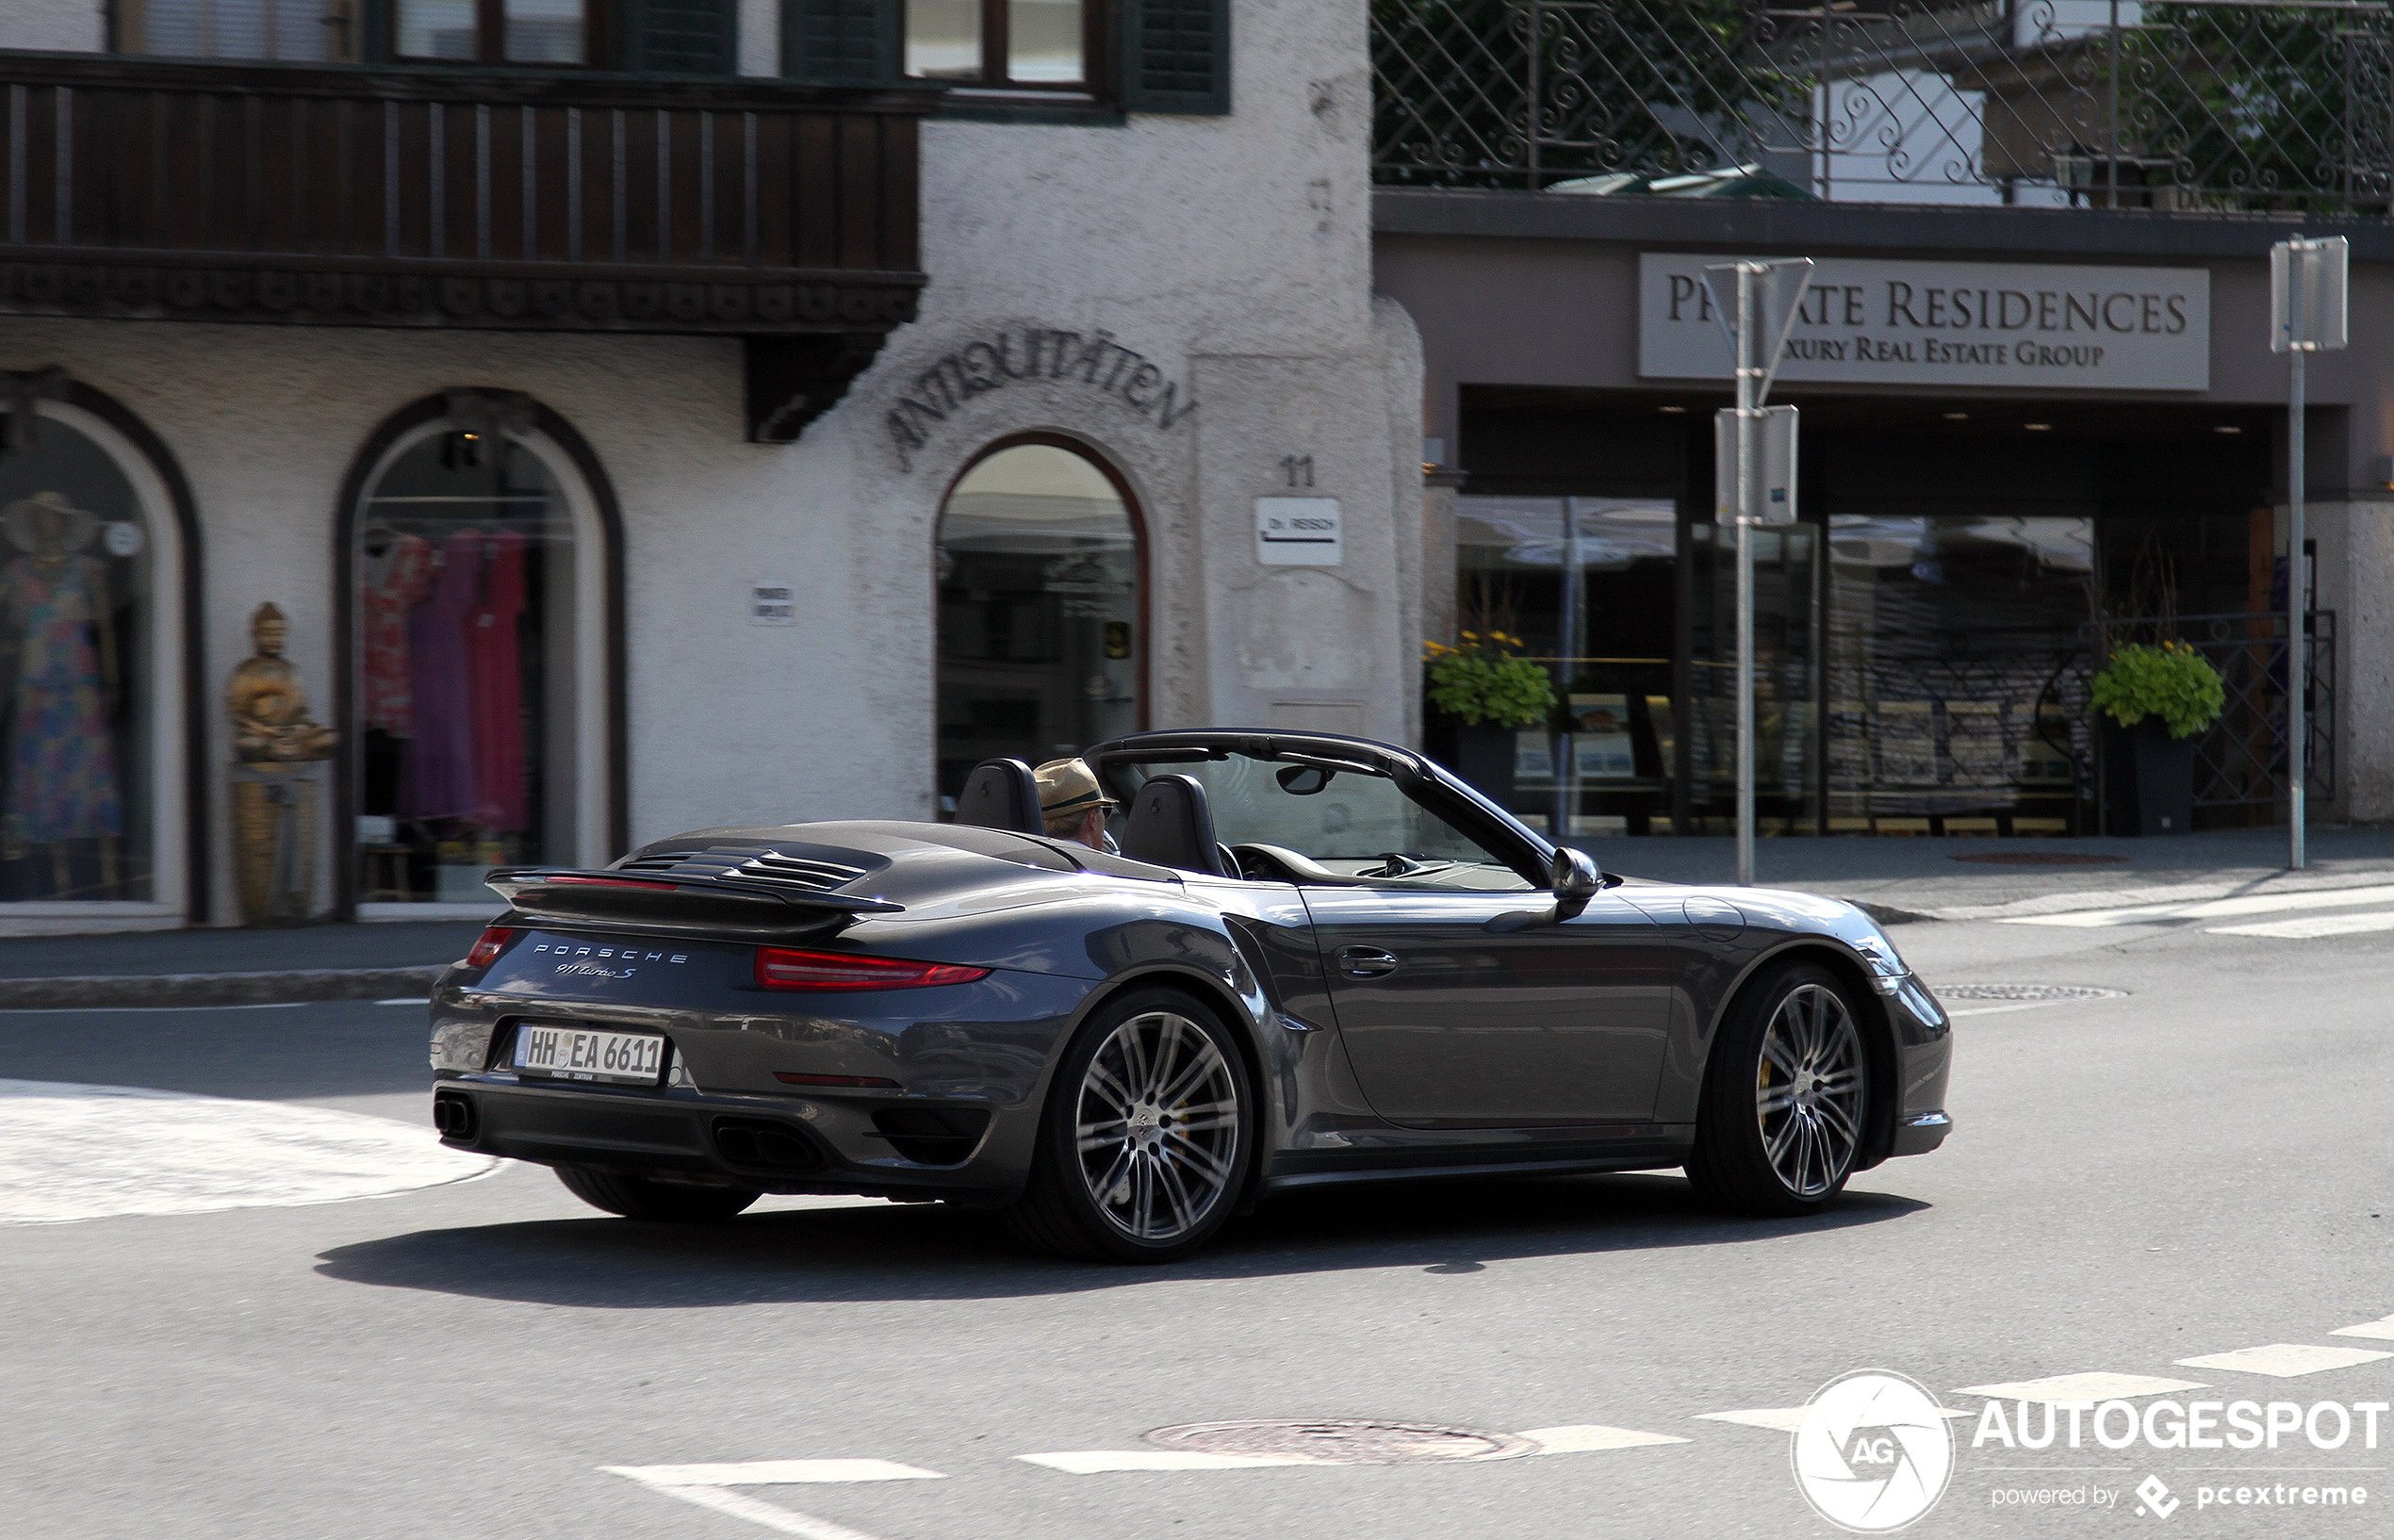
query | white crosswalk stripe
(2091,1385)
(2216,908)
(2311,929)
(2284,1360)
(2382,1329)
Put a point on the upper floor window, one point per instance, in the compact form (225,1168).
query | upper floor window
(494,31)
(1016,44)
(290,31)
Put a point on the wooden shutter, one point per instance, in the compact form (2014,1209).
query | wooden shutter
(1176,55)
(843,43)
(683,36)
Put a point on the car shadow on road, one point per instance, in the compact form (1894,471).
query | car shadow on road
(927,1252)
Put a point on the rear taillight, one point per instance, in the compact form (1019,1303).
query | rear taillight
(488,947)
(783,968)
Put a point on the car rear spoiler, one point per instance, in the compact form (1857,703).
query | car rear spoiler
(706,905)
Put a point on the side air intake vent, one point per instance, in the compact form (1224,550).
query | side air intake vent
(932,1136)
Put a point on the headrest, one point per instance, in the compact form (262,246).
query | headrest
(1000,793)
(1168,825)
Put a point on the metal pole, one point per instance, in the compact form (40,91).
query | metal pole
(2297,672)
(1566,780)
(1748,374)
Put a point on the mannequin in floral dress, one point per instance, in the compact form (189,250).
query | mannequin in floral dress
(62,781)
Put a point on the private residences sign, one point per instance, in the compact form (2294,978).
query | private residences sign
(1947,323)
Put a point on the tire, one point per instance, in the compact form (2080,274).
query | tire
(1786,1097)
(1147,1137)
(667,1202)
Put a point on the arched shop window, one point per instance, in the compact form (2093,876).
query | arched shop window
(90,708)
(476,655)
(1041,651)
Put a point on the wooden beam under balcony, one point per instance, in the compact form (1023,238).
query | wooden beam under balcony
(152,190)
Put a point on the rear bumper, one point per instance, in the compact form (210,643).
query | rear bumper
(899,1146)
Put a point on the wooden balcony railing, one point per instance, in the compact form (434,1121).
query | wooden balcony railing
(144,188)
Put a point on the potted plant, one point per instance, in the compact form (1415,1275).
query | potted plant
(1490,692)
(2156,697)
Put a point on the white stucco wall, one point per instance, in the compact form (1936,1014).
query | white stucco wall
(79,25)
(1231,253)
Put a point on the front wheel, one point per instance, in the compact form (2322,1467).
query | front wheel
(638,1198)
(1786,1097)
(1146,1138)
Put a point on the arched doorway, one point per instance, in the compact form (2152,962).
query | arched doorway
(1041,608)
(95,591)
(482,697)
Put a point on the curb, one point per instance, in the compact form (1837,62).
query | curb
(168,991)
(1888,914)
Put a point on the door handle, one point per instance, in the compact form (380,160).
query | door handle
(1366,961)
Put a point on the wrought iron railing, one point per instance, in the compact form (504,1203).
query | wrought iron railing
(2189,105)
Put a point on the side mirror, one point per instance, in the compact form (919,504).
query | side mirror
(1576,880)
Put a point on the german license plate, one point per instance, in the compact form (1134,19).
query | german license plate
(575,1053)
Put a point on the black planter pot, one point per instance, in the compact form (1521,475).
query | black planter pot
(1484,756)
(2148,778)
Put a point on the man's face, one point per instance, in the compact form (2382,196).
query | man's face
(1093,830)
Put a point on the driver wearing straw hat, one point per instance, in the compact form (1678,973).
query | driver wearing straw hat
(1072,804)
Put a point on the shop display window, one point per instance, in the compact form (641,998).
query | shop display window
(1586,584)
(463,693)
(1039,644)
(78,692)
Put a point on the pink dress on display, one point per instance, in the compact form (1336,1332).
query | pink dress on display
(438,778)
(496,667)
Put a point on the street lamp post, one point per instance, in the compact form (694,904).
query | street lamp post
(1764,493)
(2306,304)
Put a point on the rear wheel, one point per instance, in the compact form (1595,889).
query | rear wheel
(1786,1097)
(638,1198)
(1145,1142)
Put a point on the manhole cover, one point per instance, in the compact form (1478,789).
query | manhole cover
(2026,992)
(2039,858)
(1344,1441)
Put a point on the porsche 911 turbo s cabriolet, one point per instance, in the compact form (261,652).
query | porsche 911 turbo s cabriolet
(1314,960)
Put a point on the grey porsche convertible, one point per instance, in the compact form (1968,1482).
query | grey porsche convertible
(1313,960)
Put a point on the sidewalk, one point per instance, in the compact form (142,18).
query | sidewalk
(201,967)
(1898,881)
(1952,879)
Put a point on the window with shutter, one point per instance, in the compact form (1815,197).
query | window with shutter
(683,36)
(842,42)
(1176,55)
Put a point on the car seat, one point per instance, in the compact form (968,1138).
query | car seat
(1168,825)
(1001,794)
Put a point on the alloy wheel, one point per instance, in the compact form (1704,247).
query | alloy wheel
(1808,1090)
(1157,1126)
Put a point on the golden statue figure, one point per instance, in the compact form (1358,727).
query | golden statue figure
(278,749)
(268,706)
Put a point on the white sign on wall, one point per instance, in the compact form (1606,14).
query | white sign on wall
(1298,532)
(1951,323)
(772,603)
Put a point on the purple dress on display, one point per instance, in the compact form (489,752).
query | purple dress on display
(438,778)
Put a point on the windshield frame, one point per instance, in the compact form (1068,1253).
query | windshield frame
(1436,789)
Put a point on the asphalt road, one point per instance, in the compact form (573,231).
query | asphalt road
(2199,1167)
